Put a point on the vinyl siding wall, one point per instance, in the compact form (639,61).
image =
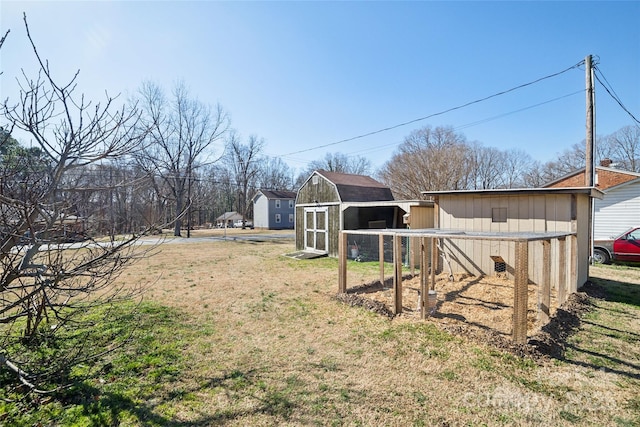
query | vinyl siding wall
(618,211)
(261,212)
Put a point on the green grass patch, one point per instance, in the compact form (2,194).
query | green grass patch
(115,387)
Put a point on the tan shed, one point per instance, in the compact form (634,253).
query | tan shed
(536,210)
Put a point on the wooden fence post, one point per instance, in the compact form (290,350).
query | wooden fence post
(381,257)
(424,278)
(397,274)
(520,294)
(562,270)
(342,263)
(434,262)
(544,290)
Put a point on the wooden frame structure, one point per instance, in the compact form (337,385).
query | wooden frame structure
(429,256)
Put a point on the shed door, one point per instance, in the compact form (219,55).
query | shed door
(316,224)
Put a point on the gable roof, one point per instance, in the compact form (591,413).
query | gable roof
(277,194)
(607,178)
(229,216)
(357,188)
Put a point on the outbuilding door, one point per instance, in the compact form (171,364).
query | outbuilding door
(316,225)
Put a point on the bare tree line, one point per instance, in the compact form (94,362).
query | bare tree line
(441,159)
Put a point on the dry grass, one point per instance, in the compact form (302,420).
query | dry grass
(275,348)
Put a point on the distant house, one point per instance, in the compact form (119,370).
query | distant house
(329,202)
(619,209)
(227,219)
(274,209)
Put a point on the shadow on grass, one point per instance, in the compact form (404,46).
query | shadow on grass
(111,408)
(560,334)
(620,292)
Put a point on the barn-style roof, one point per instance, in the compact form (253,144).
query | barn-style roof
(357,188)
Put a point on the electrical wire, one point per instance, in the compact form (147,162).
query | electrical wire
(612,93)
(438,113)
(479,122)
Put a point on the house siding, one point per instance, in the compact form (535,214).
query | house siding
(618,211)
(265,210)
(284,210)
(261,212)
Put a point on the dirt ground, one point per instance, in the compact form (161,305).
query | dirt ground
(486,302)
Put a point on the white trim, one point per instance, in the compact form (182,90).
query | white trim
(316,205)
(315,229)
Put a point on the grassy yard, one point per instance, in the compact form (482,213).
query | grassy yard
(233,333)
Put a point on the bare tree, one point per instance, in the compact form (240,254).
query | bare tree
(486,167)
(244,162)
(45,286)
(428,159)
(337,162)
(275,174)
(180,138)
(625,147)
(517,165)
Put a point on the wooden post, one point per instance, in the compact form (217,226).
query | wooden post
(381,257)
(434,262)
(589,175)
(342,263)
(410,254)
(544,290)
(397,274)
(572,286)
(424,278)
(562,270)
(520,294)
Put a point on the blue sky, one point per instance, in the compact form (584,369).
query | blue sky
(307,74)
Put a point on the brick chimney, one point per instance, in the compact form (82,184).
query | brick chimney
(606,162)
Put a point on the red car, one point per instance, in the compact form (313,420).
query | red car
(625,247)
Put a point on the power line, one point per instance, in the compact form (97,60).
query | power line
(612,93)
(488,119)
(438,113)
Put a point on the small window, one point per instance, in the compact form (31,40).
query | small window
(277,203)
(291,203)
(278,218)
(290,218)
(314,180)
(499,215)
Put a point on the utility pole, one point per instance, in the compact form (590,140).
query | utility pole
(589,171)
(589,175)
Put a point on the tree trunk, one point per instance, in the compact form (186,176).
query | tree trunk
(178,225)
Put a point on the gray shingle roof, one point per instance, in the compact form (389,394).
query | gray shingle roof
(358,188)
(278,194)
